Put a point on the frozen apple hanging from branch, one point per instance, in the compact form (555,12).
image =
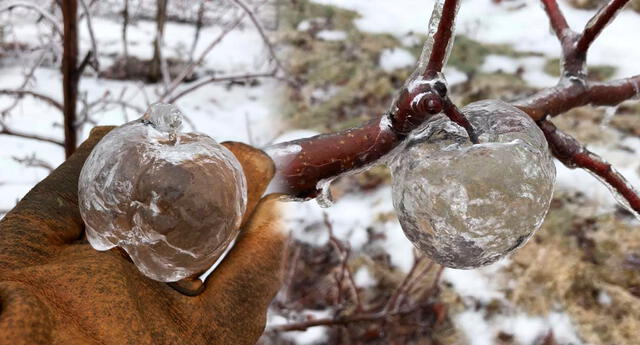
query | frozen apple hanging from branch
(435,213)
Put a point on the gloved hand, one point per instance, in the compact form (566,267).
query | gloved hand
(56,289)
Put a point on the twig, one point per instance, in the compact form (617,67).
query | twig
(454,114)
(41,11)
(345,320)
(7,131)
(192,66)
(572,154)
(258,27)
(564,97)
(33,94)
(557,21)
(196,36)
(214,79)
(595,26)
(94,47)
(25,83)
(443,36)
(34,162)
(125,26)
(345,271)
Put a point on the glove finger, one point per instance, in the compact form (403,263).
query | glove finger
(48,216)
(241,289)
(258,169)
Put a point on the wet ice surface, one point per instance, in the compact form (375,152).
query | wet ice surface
(172,200)
(469,205)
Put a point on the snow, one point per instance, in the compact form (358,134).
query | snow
(392,59)
(364,278)
(332,35)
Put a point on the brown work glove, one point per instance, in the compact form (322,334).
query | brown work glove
(56,289)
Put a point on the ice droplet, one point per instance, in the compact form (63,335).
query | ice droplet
(324,199)
(172,200)
(468,205)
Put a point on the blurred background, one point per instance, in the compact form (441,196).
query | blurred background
(266,71)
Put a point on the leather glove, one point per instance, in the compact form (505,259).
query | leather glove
(56,289)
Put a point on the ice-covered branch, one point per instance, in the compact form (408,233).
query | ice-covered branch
(564,97)
(443,18)
(557,21)
(574,155)
(595,26)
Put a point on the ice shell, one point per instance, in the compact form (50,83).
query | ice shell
(469,205)
(173,201)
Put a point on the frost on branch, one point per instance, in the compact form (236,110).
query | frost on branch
(469,205)
(172,200)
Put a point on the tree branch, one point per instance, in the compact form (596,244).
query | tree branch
(443,37)
(33,94)
(564,97)
(70,75)
(7,131)
(557,21)
(595,26)
(214,79)
(572,154)
(258,27)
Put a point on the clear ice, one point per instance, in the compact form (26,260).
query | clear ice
(468,205)
(173,201)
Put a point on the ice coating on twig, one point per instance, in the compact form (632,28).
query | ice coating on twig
(622,201)
(172,200)
(468,205)
(434,22)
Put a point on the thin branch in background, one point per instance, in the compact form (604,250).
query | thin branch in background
(161,19)
(198,29)
(188,70)
(345,271)
(41,11)
(214,79)
(125,27)
(261,31)
(95,64)
(27,79)
(595,26)
(20,93)
(7,131)
(33,162)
